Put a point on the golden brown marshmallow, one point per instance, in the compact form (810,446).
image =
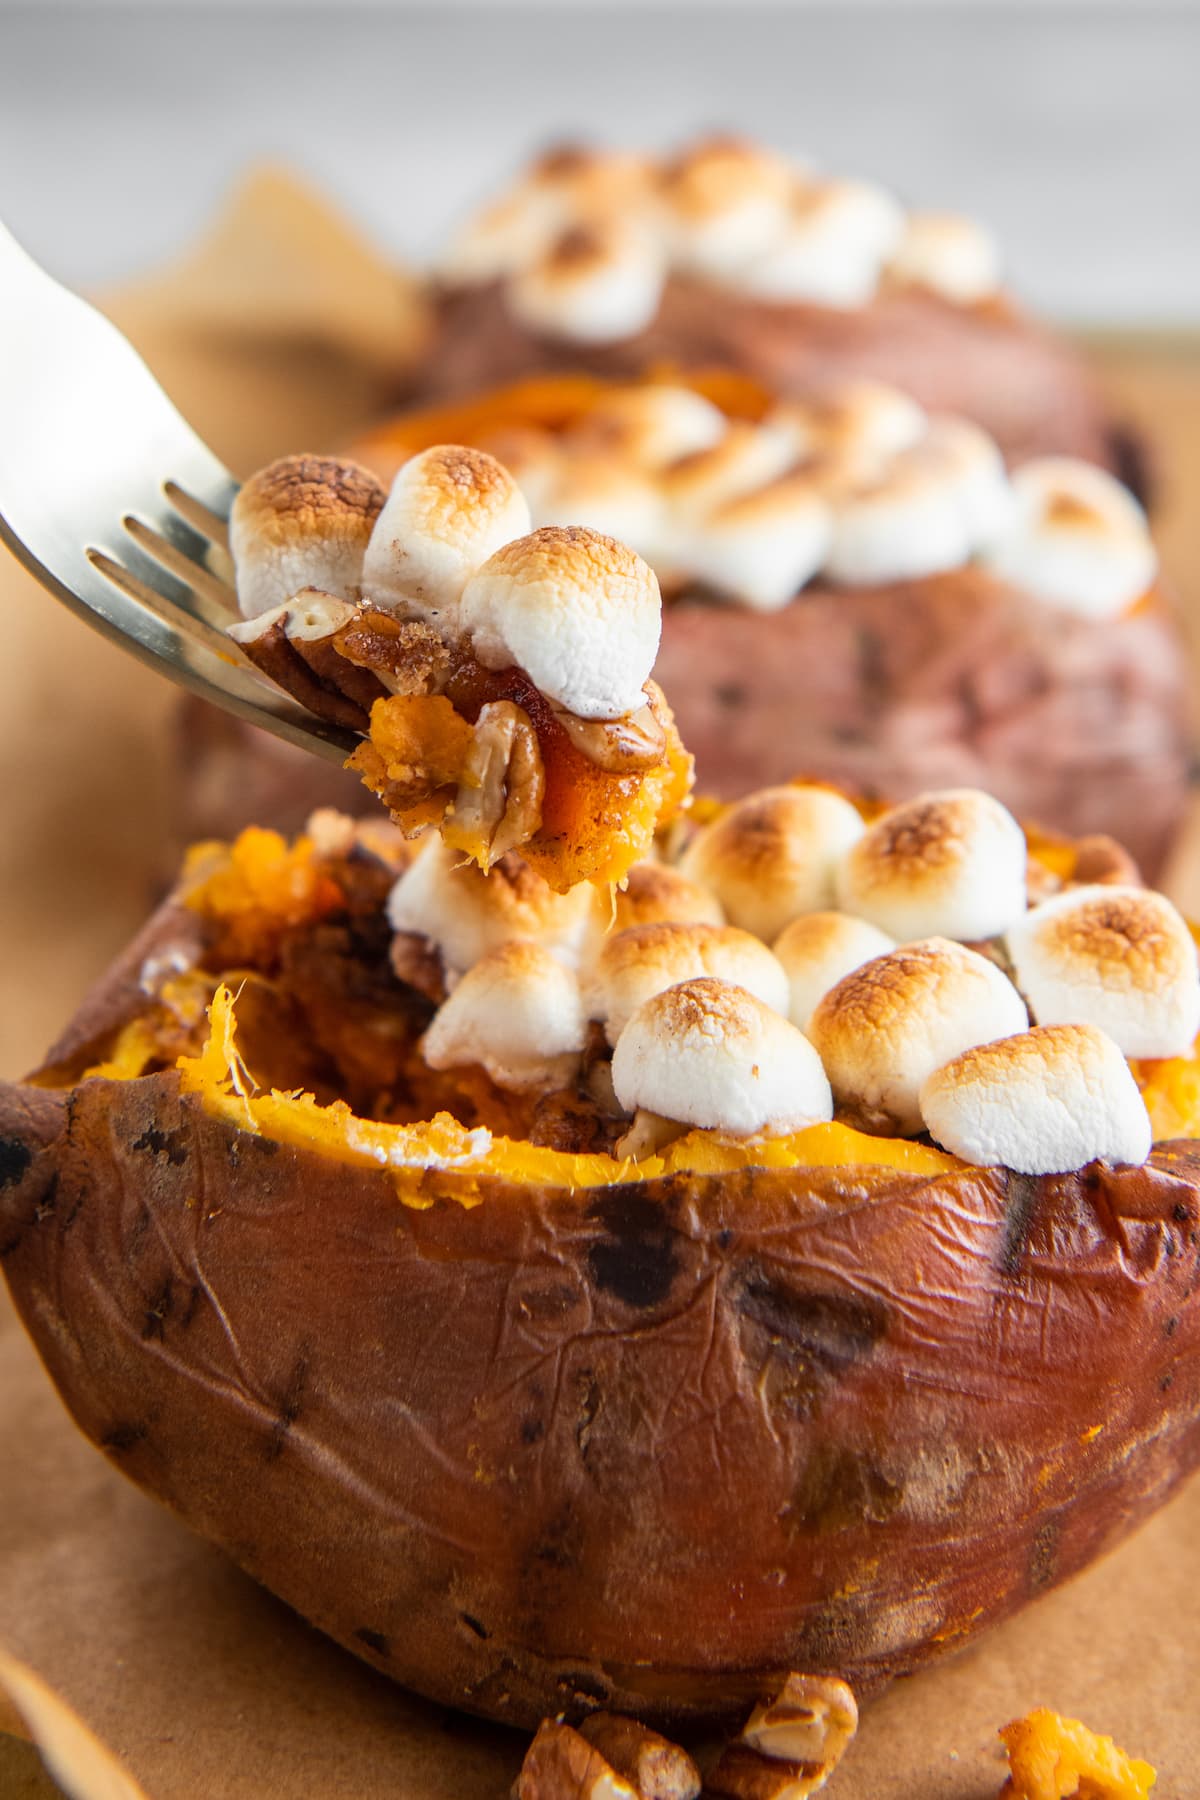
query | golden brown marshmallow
(709,1054)
(949,864)
(467,913)
(1042,1102)
(303,521)
(818,950)
(1120,958)
(645,959)
(516,1013)
(773,855)
(885,1028)
(449,509)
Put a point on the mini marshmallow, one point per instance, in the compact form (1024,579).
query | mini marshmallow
(506,235)
(652,425)
(904,523)
(1044,1102)
(723,201)
(467,913)
(884,1029)
(746,457)
(604,494)
(817,950)
(1077,540)
(977,474)
(533,458)
(302,522)
(1120,958)
(654,894)
(645,959)
(449,509)
(948,864)
(831,249)
(773,855)
(518,1014)
(948,254)
(711,1055)
(580,613)
(596,284)
(857,427)
(761,549)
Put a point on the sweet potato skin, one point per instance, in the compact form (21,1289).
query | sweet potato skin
(645,1446)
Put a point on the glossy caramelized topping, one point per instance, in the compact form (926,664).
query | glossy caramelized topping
(500,675)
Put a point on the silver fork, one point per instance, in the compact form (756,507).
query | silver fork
(116,506)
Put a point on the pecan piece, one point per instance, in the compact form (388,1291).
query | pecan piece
(560,1764)
(498,805)
(656,1767)
(296,646)
(789,1746)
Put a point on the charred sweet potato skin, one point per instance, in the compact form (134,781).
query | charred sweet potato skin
(641,1446)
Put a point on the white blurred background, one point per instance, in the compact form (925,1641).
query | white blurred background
(1072,128)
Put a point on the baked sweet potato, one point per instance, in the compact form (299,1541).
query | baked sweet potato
(533,1431)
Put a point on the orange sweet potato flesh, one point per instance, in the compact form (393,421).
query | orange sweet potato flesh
(647,1445)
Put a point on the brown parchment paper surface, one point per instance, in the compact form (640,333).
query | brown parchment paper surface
(138,1658)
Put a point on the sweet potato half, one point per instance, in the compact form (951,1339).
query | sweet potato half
(533,1431)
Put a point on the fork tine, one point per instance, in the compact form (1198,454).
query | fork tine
(210,524)
(90,444)
(212,597)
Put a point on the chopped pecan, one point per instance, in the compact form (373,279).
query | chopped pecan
(499,800)
(789,1746)
(295,645)
(619,746)
(657,1768)
(560,1764)
(407,655)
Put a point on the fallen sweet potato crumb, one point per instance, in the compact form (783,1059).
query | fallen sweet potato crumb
(1052,1758)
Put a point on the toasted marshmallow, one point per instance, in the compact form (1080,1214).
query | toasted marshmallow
(510,233)
(645,959)
(654,894)
(532,457)
(605,494)
(596,284)
(652,425)
(905,522)
(975,469)
(883,1030)
(1078,539)
(449,509)
(1043,1102)
(773,856)
(580,613)
(711,1055)
(948,864)
(858,427)
(745,458)
(722,201)
(761,549)
(817,950)
(831,249)
(467,913)
(950,255)
(1120,958)
(517,1013)
(302,522)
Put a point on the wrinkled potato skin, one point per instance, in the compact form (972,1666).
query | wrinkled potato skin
(646,1446)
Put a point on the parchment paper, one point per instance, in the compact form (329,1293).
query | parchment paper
(144,1664)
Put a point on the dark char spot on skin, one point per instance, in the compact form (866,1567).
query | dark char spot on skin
(729,694)
(1181,1213)
(47,1206)
(15,1158)
(532,1431)
(158,1310)
(374,1641)
(582,1685)
(638,1260)
(123,1438)
(1022,1196)
(171,1144)
(832,1330)
(1043,1556)
(289,1407)
(474,1627)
